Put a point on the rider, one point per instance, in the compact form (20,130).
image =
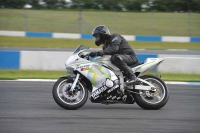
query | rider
(122,54)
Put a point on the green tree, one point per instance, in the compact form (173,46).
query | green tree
(35,4)
(177,5)
(51,4)
(13,3)
(134,5)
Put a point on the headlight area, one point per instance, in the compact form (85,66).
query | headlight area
(69,70)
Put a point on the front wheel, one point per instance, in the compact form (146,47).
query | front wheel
(153,100)
(67,99)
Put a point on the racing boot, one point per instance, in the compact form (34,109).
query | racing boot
(131,79)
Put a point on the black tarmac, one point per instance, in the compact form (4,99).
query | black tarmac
(28,107)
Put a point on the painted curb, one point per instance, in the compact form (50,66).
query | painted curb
(192,39)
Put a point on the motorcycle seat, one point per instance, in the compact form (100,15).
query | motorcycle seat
(137,64)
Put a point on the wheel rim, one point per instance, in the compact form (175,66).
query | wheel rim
(68,97)
(154,97)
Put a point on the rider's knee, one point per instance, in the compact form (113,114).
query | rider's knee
(116,58)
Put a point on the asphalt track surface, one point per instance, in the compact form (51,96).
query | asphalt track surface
(28,107)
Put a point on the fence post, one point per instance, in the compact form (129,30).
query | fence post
(25,20)
(189,23)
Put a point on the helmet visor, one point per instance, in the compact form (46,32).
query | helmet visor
(96,37)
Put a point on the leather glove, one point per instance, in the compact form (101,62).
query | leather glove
(100,53)
(93,54)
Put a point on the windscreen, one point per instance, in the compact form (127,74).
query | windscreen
(79,48)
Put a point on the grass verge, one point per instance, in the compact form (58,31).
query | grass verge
(71,43)
(37,74)
(126,23)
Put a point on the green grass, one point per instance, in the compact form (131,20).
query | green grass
(70,43)
(126,23)
(36,74)
(30,74)
(178,77)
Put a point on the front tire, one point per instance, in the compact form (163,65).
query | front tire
(66,99)
(153,100)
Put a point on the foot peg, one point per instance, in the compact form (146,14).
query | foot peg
(129,86)
(131,82)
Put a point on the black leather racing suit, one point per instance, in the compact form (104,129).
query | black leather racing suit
(122,54)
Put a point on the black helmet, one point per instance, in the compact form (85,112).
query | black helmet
(100,34)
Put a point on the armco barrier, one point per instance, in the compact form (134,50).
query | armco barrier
(55,60)
(89,36)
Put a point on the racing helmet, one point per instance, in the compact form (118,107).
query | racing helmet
(100,34)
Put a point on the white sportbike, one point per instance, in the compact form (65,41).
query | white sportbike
(107,84)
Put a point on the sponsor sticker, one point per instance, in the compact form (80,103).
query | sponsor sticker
(84,68)
(96,93)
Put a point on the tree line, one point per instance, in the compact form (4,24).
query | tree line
(113,5)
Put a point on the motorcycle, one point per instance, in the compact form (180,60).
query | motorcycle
(107,84)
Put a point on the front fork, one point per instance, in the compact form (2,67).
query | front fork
(75,82)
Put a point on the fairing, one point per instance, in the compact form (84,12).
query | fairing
(96,73)
(101,69)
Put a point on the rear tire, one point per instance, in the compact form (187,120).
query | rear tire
(67,100)
(149,102)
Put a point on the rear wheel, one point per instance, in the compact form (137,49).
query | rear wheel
(67,99)
(153,99)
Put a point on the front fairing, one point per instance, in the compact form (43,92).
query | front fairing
(75,60)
